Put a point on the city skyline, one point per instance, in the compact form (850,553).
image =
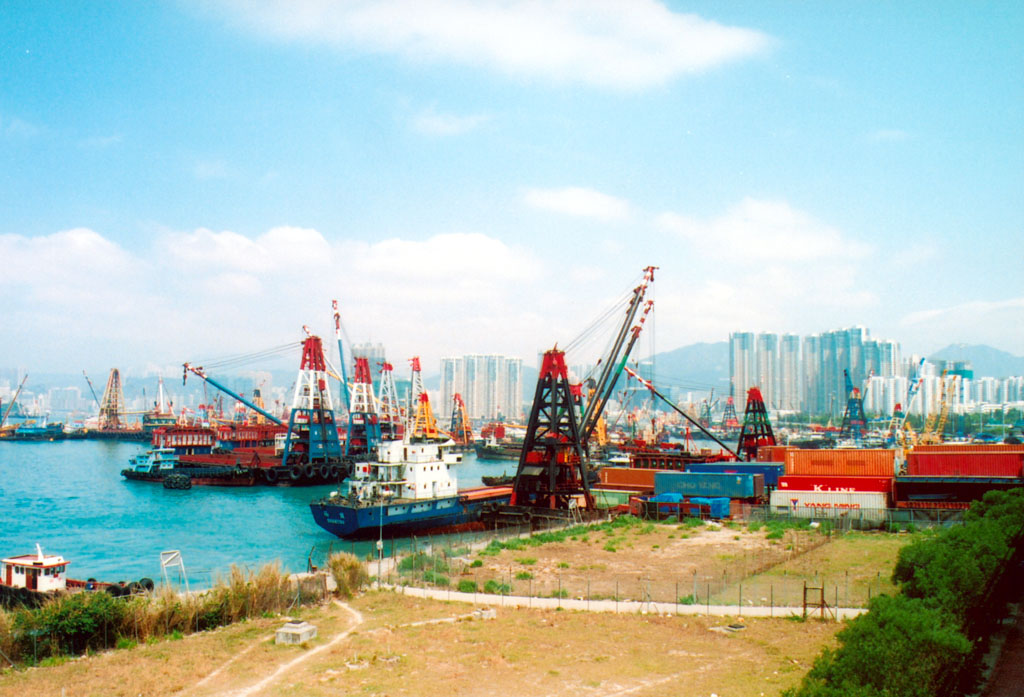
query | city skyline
(188,179)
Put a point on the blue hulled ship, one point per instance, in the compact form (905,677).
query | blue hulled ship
(408,488)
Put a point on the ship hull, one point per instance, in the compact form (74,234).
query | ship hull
(402,517)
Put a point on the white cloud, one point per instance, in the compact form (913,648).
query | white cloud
(578,201)
(433,123)
(622,44)
(999,323)
(759,230)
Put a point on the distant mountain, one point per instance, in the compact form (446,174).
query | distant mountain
(697,367)
(986,361)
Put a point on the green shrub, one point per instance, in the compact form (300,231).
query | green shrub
(420,561)
(467,586)
(524,576)
(496,587)
(527,561)
(477,563)
(688,600)
(436,579)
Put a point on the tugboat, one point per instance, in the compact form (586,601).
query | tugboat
(30,579)
(408,488)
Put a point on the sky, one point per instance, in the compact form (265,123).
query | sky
(186,179)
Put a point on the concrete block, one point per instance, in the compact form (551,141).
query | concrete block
(295,633)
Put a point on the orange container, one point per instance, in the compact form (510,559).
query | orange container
(841,463)
(627,476)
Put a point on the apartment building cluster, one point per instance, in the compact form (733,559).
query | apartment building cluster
(805,374)
(491,385)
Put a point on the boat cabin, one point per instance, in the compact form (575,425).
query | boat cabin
(36,572)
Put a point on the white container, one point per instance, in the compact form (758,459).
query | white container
(855,505)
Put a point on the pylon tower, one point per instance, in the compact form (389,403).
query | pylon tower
(461,430)
(729,418)
(389,409)
(312,433)
(551,466)
(364,431)
(112,404)
(756,430)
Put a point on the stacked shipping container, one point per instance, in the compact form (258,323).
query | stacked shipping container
(953,475)
(836,483)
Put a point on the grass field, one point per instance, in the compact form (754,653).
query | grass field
(408,646)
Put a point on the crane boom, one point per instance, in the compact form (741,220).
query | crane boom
(650,386)
(341,354)
(188,368)
(616,359)
(13,400)
(91,389)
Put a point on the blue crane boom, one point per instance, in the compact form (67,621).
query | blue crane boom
(199,371)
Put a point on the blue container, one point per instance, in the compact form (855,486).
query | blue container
(710,484)
(771,470)
(719,506)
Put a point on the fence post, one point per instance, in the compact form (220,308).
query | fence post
(707,599)
(771,612)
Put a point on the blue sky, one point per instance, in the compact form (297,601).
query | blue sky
(184,179)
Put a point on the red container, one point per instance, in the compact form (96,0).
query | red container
(964,464)
(970,448)
(835,484)
(854,462)
(627,476)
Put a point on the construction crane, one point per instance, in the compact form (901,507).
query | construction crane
(854,424)
(552,472)
(422,424)
(341,354)
(14,399)
(650,386)
(198,371)
(461,430)
(388,408)
(95,398)
(364,432)
(936,422)
(757,430)
(900,432)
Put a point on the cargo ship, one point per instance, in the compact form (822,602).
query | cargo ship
(408,488)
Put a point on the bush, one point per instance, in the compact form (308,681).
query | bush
(421,561)
(467,586)
(436,579)
(477,563)
(524,576)
(929,640)
(495,587)
(348,572)
(688,600)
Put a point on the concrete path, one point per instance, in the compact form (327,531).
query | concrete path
(621,606)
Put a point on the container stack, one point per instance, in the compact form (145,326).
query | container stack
(950,476)
(853,483)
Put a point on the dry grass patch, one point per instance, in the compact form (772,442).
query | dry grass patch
(853,567)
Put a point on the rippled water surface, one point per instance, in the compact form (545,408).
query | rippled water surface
(69,497)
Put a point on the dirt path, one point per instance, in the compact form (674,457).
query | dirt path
(357,619)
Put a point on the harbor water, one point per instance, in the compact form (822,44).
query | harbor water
(70,497)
